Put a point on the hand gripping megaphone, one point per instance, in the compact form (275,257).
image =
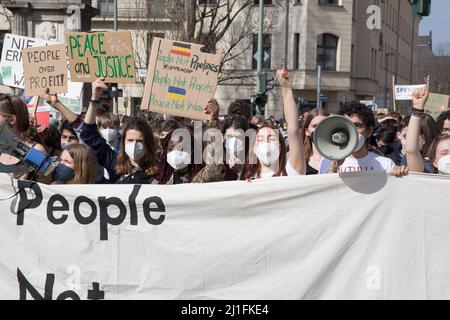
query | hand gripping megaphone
(336,138)
(34,160)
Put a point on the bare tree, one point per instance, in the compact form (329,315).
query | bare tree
(438,68)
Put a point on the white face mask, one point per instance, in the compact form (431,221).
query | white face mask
(234,145)
(444,165)
(109,134)
(178,160)
(361,142)
(268,153)
(64,145)
(135,150)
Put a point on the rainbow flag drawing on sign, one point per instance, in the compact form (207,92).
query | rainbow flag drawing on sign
(176,93)
(181,49)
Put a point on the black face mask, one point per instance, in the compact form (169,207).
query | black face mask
(63,173)
(385,149)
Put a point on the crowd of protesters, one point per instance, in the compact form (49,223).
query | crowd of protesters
(101,147)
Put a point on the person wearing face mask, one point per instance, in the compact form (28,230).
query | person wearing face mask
(177,165)
(422,131)
(270,147)
(427,130)
(440,154)
(313,157)
(236,148)
(362,159)
(386,143)
(135,161)
(77,165)
(108,125)
(68,135)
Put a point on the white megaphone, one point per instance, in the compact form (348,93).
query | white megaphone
(336,138)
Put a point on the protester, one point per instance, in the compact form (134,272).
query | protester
(422,132)
(109,124)
(312,156)
(177,164)
(443,121)
(68,135)
(242,108)
(78,165)
(135,161)
(270,148)
(237,147)
(361,159)
(387,144)
(14,112)
(440,154)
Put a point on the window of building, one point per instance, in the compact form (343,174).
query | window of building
(335,2)
(106,8)
(327,51)
(267,48)
(265,2)
(208,2)
(296,51)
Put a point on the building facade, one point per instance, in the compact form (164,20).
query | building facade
(360,45)
(358,59)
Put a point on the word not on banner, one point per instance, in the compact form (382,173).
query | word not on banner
(374,236)
(45,67)
(11,62)
(101,54)
(436,103)
(181,79)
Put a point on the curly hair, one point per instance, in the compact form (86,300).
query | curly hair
(240,108)
(355,108)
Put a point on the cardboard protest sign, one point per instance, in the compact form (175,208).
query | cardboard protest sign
(45,67)
(11,61)
(436,103)
(101,54)
(383,111)
(405,92)
(180,79)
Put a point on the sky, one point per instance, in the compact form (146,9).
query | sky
(438,22)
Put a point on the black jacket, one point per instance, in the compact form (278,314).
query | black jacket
(106,157)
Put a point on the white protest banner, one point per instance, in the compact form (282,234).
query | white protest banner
(355,236)
(405,92)
(11,62)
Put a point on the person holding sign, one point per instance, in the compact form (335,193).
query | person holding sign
(177,165)
(439,151)
(136,160)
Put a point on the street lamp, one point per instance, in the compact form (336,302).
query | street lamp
(386,77)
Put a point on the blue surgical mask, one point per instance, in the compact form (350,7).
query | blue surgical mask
(63,173)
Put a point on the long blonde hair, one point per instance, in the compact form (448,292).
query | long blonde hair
(84,162)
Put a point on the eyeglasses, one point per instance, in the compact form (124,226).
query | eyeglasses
(7,97)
